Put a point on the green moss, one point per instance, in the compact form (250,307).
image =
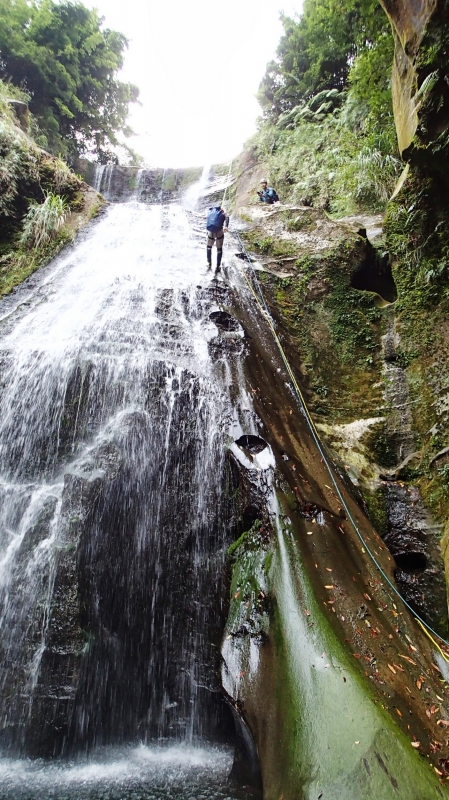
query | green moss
(259,242)
(248,583)
(377,510)
(96,208)
(336,338)
(310,747)
(382,445)
(19,264)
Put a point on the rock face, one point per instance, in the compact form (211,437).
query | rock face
(409,22)
(301,586)
(416,228)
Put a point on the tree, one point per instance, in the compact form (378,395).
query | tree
(68,63)
(318,51)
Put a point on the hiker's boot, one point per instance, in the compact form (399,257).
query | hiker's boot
(209,257)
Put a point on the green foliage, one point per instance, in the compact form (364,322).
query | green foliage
(8,93)
(328,133)
(26,173)
(68,64)
(44,221)
(317,51)
(18,161)
(18,263)
(328,165)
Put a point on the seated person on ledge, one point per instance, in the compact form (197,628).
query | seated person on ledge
(267,195)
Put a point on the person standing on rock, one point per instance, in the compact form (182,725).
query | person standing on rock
(268,194)
(217,225)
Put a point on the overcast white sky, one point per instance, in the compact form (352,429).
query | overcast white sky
(198,64)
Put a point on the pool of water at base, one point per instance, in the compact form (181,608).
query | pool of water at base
(134,773)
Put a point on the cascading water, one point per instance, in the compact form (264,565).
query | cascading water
(116,504)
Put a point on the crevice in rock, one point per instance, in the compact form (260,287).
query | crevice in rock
(374,275)
(255,444)
(411,561)
(249,515)
(224,320)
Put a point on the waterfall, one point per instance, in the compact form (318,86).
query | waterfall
(197,190)
(116,504)
(98,177)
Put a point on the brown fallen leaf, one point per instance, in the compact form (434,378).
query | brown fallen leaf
(328,569)
(307,613)
(329,586)
(419,685)
(356,655)
(410,660)
(428,714)
(443,722)
(399,668)
(399,713)
(366,596)
(415,744)
(391,668)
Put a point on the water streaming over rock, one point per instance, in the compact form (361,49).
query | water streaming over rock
(116,493)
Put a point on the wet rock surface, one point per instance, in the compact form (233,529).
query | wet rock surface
(120,184)
(164,490)
(413,540)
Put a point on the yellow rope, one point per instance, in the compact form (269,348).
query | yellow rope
(427,632)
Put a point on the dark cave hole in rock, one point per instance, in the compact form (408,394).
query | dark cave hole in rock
(224,320)
(412,561)
(252,443)
(249,516)
(374,275)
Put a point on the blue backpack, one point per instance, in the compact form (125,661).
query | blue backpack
(215,219)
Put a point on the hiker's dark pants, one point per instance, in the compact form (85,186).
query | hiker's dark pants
(217,237)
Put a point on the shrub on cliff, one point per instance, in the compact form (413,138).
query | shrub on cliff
(43,221)
(69,64)
(328,165)
(328,131)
